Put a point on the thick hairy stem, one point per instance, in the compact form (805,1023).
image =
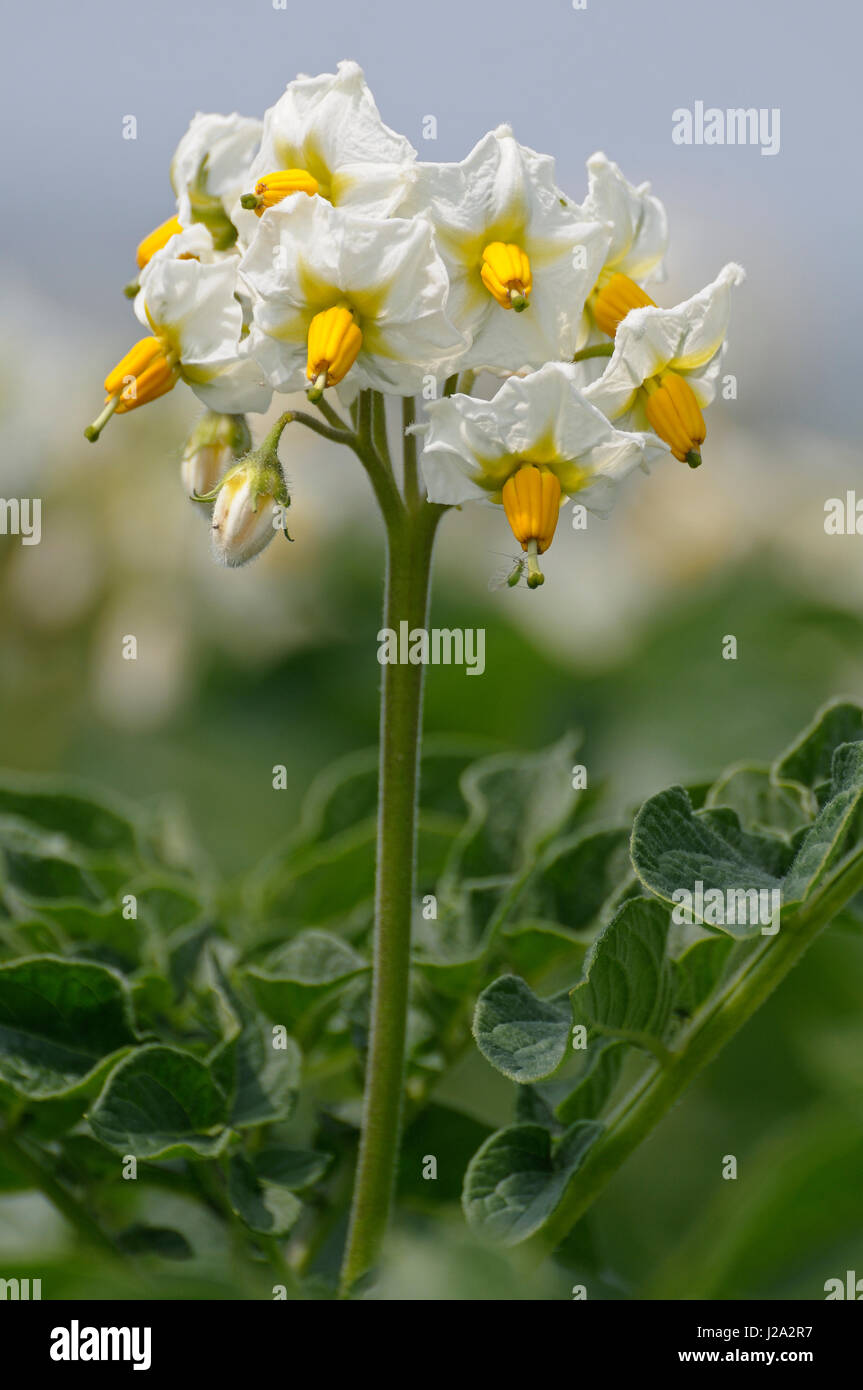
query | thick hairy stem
(409,552)
(715,1023)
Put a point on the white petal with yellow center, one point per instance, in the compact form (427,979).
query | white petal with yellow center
(330,126)
(192,307)
(308,256)
(688,339)
(505,192)
(471,446)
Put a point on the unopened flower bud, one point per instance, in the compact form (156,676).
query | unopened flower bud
(249,504)
(214,446)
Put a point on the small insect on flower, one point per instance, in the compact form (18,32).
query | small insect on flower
(508,576)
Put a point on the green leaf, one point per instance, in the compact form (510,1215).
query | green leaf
(523,1037)
(516,804)
(62,1023)
(161,1103)
(325,874)
(82,818)
(333,881)
(261,1079)
(299,974)
(103,924)
(167,904)
(270,1209)
(762,803)
(674,848)
(836,828)
(579,878)
(155,1240)
(563,1100)
(291,1168)
(628,988)
(809,759)
(626,993)
(597,1078)
(517,1177)
(37,870)
(533,948)
(347,792)
(698,971)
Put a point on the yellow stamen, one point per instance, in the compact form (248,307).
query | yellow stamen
(506,274)
(274,187)
(531,500)
(335,339)
(613,301)
(675,415)
(146,372)
(156,240)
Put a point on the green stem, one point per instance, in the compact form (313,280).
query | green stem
(409,446)
(600,350)
(299,417)
(719,1019)
(380,475)
(332,415)
(379,429)
(26,1162)
(410,542)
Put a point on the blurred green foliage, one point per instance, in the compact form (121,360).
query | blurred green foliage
(784,1097)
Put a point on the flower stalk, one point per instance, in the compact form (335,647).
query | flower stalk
(410,532)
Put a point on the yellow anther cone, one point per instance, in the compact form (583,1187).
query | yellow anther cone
(272,188)
(675,414)
(531,500)
(334,341)
(506,274)
(156,240)
(614,300)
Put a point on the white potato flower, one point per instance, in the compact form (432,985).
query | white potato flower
(521,257)
(664,366)
(211,168)
(325,136)
(337,292)
(538,442)
(195,323)
(639,240)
